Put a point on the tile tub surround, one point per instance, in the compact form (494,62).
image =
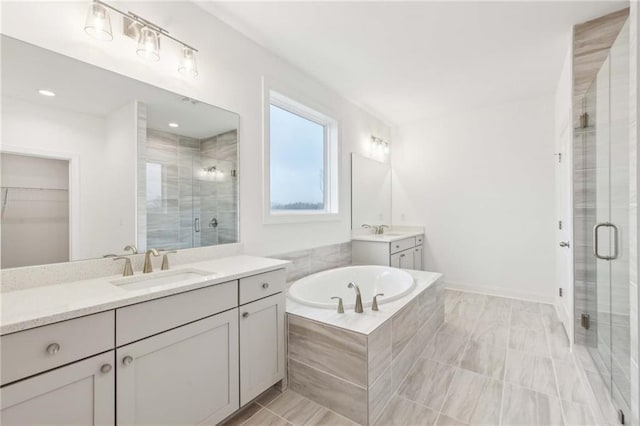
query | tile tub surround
(353,368)
(317,259)
(444,389)
(33,307)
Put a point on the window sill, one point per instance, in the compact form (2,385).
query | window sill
(311,217)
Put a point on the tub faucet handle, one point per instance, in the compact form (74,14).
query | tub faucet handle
(374,305)
(340,305)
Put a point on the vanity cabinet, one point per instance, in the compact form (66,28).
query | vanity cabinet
(184,376)
(82,393)
(261,345)
(189,358)
(404,253)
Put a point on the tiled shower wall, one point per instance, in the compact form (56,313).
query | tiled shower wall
(187,190)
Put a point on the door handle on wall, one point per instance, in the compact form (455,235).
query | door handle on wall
(196,224)
(596,241)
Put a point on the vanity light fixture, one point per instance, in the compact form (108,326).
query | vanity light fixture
(45,92)
(146,33)
(380,143)
(98,23)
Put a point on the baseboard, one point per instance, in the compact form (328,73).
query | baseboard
(493,291)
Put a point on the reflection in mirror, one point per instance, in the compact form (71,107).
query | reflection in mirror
(93,161)
(370,192)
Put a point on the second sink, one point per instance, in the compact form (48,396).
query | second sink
(162,278)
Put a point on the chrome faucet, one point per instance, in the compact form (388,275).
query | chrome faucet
(359,309)
(148,267)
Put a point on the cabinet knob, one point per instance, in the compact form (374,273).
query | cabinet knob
(127,360)
(265,285)
(53,349)
(397,246)
(105,368)
(245,315)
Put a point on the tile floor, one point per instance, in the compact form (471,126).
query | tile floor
(494,361)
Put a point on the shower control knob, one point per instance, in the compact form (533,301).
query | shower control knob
(564,244)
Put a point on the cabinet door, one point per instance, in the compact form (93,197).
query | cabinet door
(403,259)
(417,258)
(184,376)
(261,345)
(82,393)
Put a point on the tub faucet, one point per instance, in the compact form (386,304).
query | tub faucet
(359,309)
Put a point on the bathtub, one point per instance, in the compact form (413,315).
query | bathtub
(317,290)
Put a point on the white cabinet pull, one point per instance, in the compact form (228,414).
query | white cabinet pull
(127,360)
(53,349)
(105,368)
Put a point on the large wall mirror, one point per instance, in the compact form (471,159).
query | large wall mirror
(93,162)
(370,192)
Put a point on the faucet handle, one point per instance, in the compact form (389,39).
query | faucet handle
(128,269)
(165,260)
(374,305)
(340,305)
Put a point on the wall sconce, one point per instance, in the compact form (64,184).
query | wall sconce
(146,33)
(380,143)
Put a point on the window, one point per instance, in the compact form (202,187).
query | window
(302,162)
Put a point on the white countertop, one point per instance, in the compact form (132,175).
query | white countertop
(387,237)
(368,321)
(33,307)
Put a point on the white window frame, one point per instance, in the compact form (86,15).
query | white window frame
(331,160)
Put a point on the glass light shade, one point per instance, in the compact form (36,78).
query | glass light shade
(149,44)
(188,65)
(98,23)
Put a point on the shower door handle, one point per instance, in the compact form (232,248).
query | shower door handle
(196,224)
(596,252)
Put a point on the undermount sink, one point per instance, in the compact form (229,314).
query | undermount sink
(156,279)
(391,234)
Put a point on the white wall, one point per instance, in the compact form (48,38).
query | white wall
(107,172)
(482,183)
(231,69)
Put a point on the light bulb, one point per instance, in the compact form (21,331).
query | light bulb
(188,64)
(98,23)
(149,44)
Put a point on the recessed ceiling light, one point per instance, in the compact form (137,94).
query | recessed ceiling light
(45,92)
(174,125)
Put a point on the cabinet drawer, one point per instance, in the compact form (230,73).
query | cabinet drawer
(136,322)
(400,245)
(29,352)
(419,240)
(262,285)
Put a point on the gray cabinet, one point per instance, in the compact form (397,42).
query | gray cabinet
(405,253)
(262,358)
(184,376)
(81,393)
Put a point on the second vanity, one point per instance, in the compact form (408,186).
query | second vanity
(398,249)
(188,352)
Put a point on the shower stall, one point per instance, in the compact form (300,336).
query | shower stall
(601,222)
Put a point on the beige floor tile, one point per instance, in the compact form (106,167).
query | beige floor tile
(524,319)
(531,372)
(473,398)
(448,421)
(266,418)
(526,407)
(530,341)
(491,333)
(268,396)
(427,383)
(294,408)
(577,414)
(402,412)
(569,382)
(446,348)
(328,418)
(484,359)
(525,306)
